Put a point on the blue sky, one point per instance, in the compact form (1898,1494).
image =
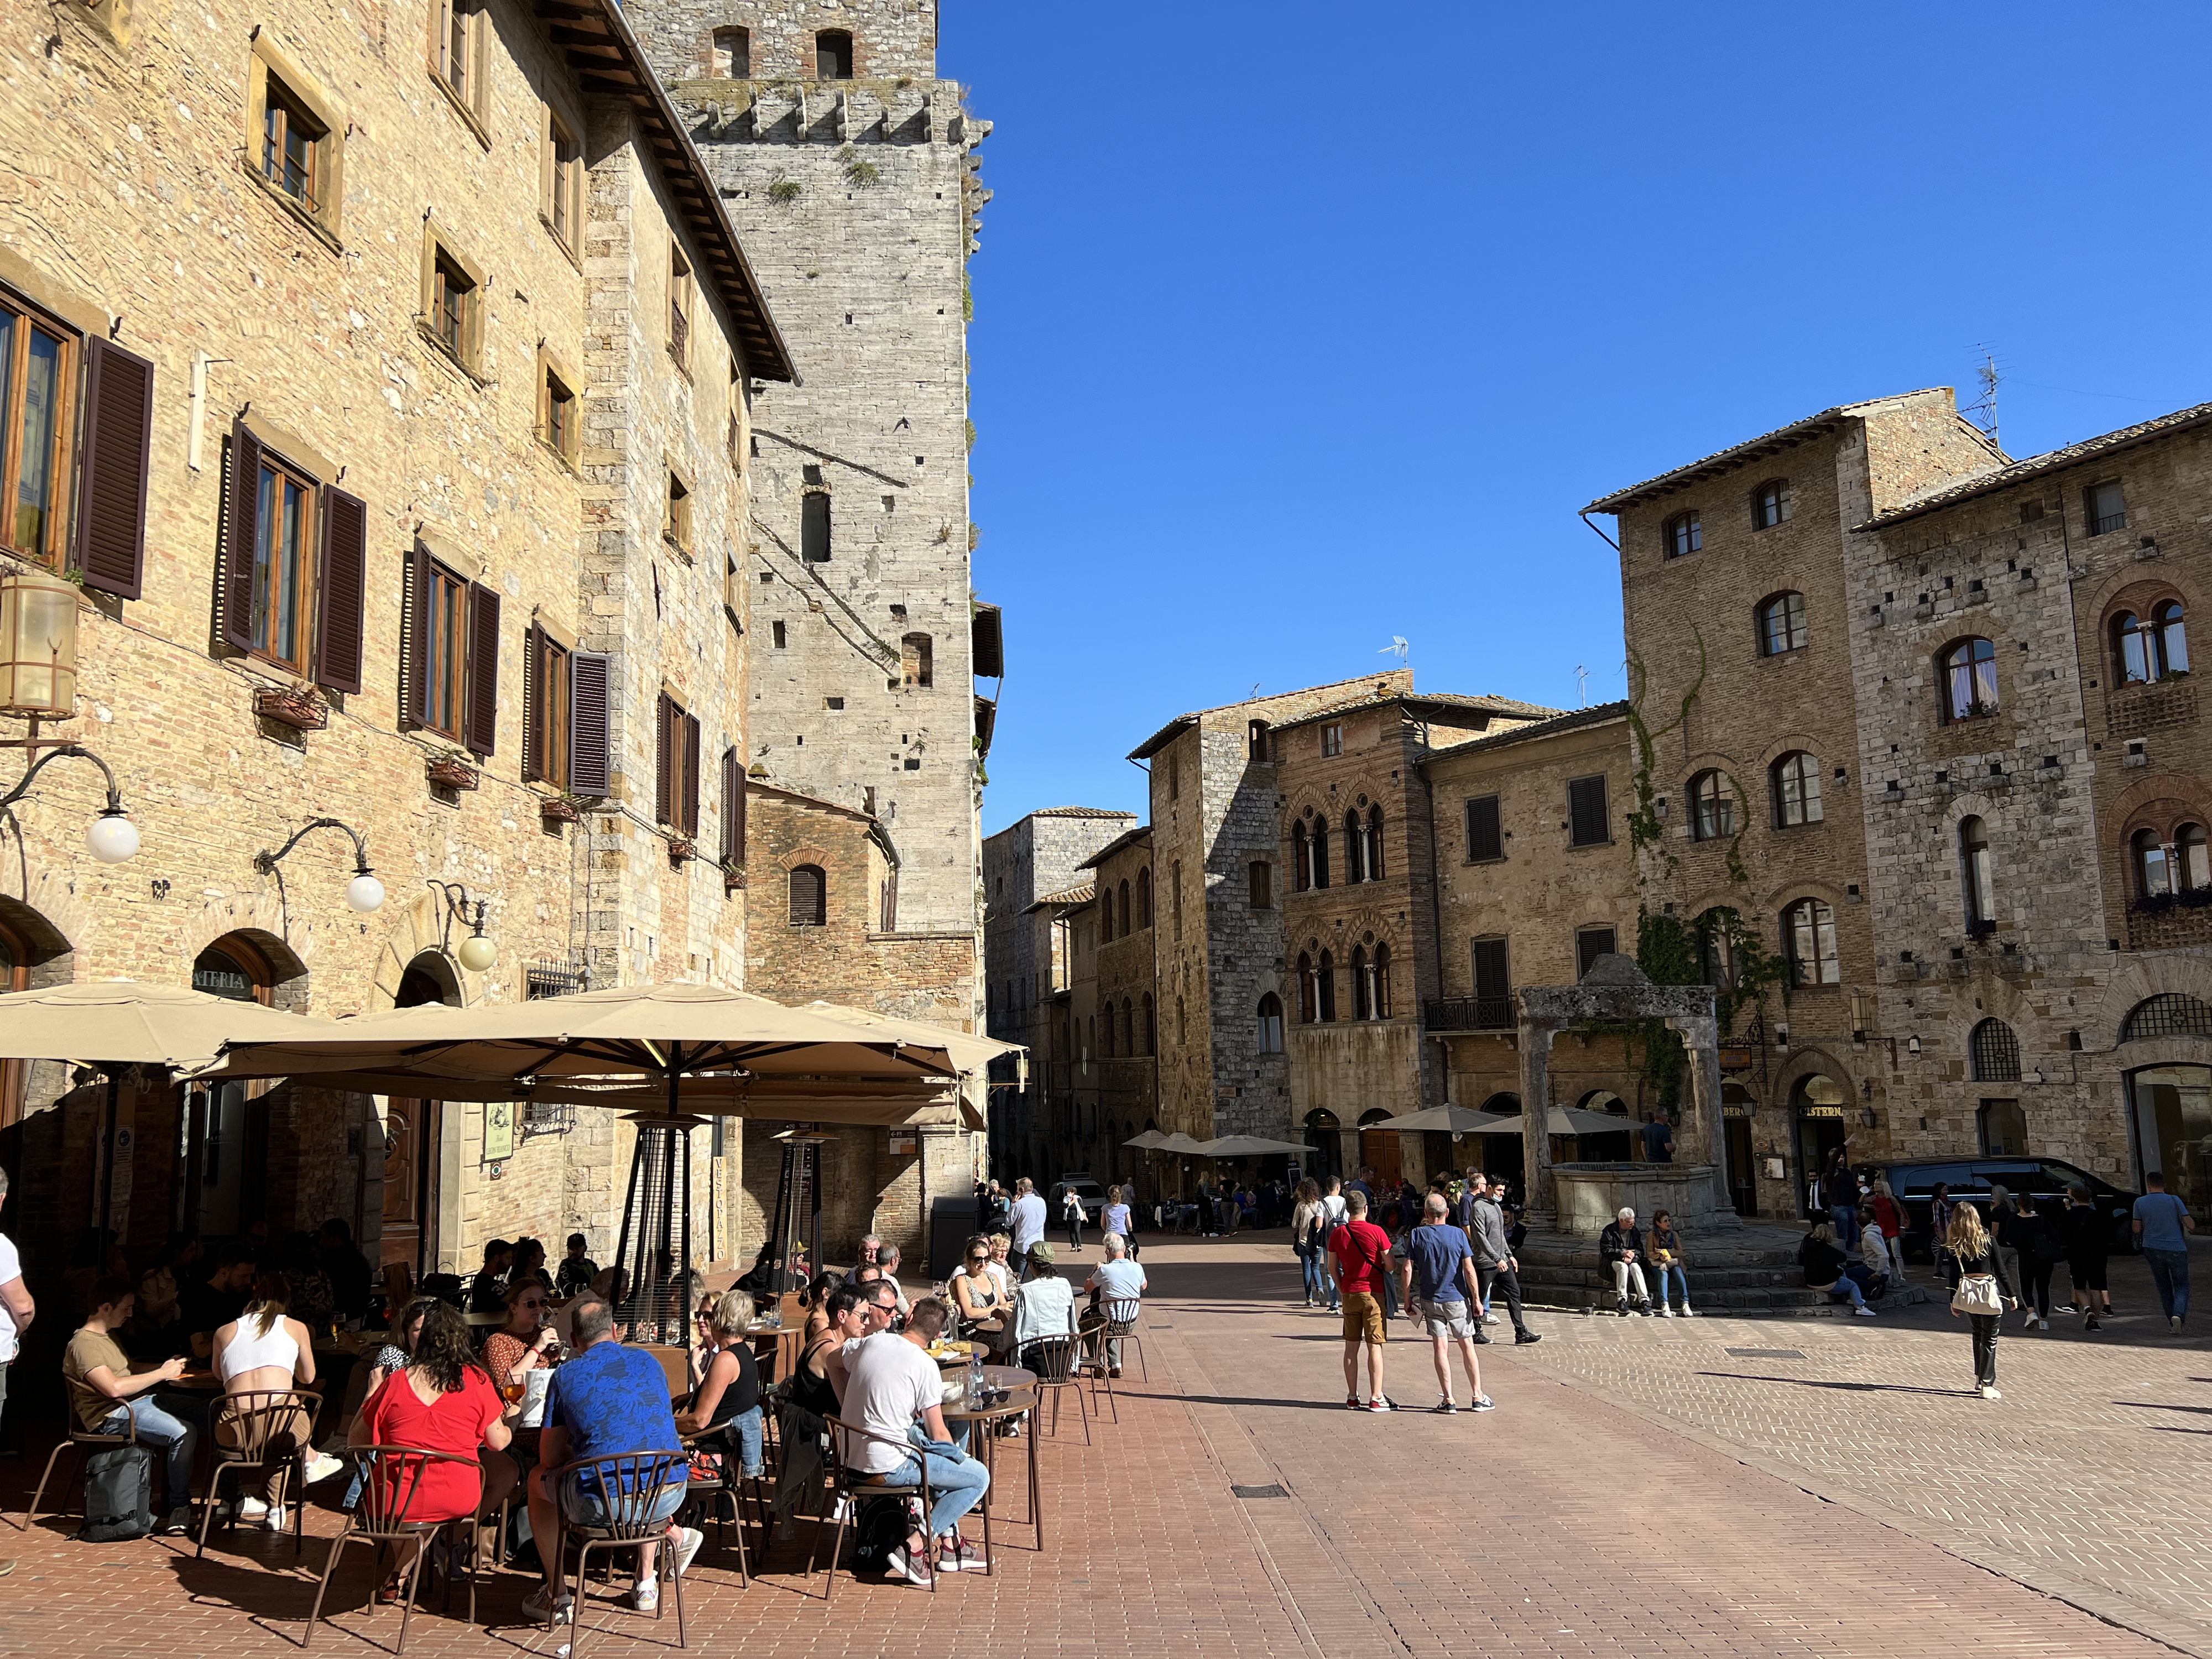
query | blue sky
(1290,338)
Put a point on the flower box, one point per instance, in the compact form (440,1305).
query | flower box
(451,774)
(680,849)
(295,707)
(553,810)
(733,877)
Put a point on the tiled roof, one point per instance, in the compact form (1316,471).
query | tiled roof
(1066,896)
(1081,812)
(1183,723)
(1782,437)
(1505,708)
(1142,832)
(2035,466)
(1597,716)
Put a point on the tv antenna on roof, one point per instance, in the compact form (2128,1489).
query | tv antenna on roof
(1582,684)
(1397,649)
(1984,411)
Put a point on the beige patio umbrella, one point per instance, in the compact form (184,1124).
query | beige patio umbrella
(1147,1141)
(1442,1120)
(1248,1147)
(1180,1142)
(972,1053)
(125,1022)
(1563,1120)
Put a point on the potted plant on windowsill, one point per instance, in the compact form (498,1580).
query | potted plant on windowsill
(733,876)
(300,707)
(682,848)
(450,769)
(563,808)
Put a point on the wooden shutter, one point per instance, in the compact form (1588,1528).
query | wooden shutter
(733,807)
(590,758)
(691,777)
(533,714)
(988,645)
(1485,837)
(480,722)
(119,446)
(809,904)
(343,597)
(415,639)
(244,532)
(1493,976)
(1586,813)
(664,760)
(814,528)
(1590,943)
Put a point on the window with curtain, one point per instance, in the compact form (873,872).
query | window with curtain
(1271,1024)
(2192,859)
(1712,807)
(1796,779)
(1782,625)
(1809,937)
(2153,871)
(1769,504)
(1969,680)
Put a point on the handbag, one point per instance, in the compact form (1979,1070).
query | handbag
(1977,1294)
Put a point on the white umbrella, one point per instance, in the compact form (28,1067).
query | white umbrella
(1147,1141)
(1248,1147)
(1453,1120)
(1563,1120)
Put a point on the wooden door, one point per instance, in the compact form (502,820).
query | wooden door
(403,1125)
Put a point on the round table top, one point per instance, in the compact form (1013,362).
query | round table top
(777,1331)
(1021,1386)
(958,1354)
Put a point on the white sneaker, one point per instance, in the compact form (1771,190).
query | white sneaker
(322,1467)
(275,1519)
(645,1598)
(1665,1312)
(1864,1312)
(1989,1391)
(685,1540)
(251,1508)
(1687,1310)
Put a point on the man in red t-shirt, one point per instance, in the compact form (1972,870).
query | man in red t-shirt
(1362,1251)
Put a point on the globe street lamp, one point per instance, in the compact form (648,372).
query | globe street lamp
(365,893)
(476,953)
(113,837)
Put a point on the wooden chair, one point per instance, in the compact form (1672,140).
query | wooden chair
(268,1439)
(635,1479)
(393,1475)
(849,1485)
(1058,1363)
(84,1442)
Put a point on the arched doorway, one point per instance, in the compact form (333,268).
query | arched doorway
(1378,1148)
(413,1132)
(223,1134)
(1816,1111)
(1737,1108)
(1324,1136)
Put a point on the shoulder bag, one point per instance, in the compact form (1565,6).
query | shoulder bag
(1976,1293)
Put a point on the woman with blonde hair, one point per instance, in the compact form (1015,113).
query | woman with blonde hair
(1985,1290)
(1889,1215)
(1309,1239)
(727,1398)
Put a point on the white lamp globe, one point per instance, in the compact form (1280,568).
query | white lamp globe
(365,892)
(477,953)
(112,838)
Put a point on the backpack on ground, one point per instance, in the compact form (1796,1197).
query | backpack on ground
(118,1495)
(881,1526)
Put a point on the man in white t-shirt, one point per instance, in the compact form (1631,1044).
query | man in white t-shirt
(894,1389)
(1028,1220)
(1335,1212)
(16,1309)
(1120,1282)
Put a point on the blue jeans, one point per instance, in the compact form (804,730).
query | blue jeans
(1309,1264)
(157,1428)
(1845,1218)
(1672,1272)
(745,1429)
(587,1505)
(2169,1270)
(1846,1289)
(956,1484)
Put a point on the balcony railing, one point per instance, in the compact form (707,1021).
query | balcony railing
(1470,1014)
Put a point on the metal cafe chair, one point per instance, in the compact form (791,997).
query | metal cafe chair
(849,1485)
(1120,1316)
(1059,1365)
(631,1482)
(275,1430)
(84,1442)
(389,1484)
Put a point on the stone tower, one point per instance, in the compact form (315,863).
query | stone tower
(849,171)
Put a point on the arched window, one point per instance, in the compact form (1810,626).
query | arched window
(1808,939)
(1995,1052)
(1255,738)
(809,897)
(1317,849)
(1769,504)
(1105,914)
(1355,850)
(1271,1024)
(1300,857)
(2170,1013)
(1325,982)
(2153,870)
(1381,982)
(1797,790)
(1151,1029)
(833,55)
(1106,1034)
(1712,807)
(1309,990)
(2135,648)
(1121,916)
(1145,898)
(2192,859)
(1128,1027)
(1682,535)
(1782,625)
(2172,638)
(1969,680)
(1974,877)
(1715,950)
(1375,843)
(1362,1004)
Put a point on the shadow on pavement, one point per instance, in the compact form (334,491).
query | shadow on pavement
(1839,1383)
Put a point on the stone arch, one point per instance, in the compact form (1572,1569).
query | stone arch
(1790,743)
(2127,590)
(47,911)
(2139,976)
(289,975)
(1813,1062)
(291,950)
(415,931)
(1993,997)
(807,853)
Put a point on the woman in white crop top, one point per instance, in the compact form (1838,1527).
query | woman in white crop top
(263,1349)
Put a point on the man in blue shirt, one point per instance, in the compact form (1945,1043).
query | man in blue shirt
(1435,1263)
(604,1399)
(2163,1224)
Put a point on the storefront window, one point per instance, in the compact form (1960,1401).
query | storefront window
(2173,1131)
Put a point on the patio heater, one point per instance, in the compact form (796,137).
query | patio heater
(655,1251)
(798,1217)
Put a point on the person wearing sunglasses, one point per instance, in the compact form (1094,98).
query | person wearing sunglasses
(978,1300)
(525,1344)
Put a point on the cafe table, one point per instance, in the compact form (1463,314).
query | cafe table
(1021,1399)
(779,1362)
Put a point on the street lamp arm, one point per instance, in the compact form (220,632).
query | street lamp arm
(264,862)
(74,750)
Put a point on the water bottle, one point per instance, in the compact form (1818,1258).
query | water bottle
(974,1382)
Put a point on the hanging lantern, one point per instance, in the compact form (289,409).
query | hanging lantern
(38,644)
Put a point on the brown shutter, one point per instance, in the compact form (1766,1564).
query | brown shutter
(415,642)
(1586,816)
(809,904)
(481,721)
(733,807)
(664,760)
(533,716)
(119,446)
(691,776)
(1485,835)
(590,763)
(342,599)
(244,531)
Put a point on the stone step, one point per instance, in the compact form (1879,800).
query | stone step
(1765,1276)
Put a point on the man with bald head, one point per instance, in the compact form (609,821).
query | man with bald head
(1435,1271)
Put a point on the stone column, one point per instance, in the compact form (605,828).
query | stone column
(1540,1207)
(1708,1140)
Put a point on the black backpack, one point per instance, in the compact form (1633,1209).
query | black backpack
(118,1495)
(882,1526)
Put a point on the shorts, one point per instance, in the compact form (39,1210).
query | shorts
(1448,1319)
(2088,1272)
(587,1505)
(1363,1318)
